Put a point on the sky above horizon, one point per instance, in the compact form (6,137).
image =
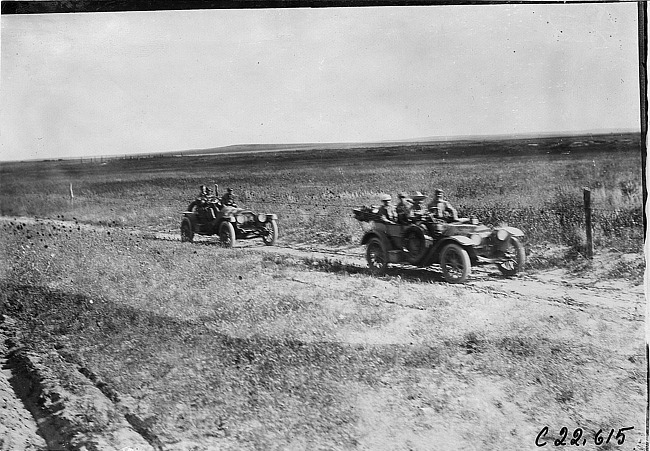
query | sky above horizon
(135,82)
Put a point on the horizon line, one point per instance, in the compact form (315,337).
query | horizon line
(349,144)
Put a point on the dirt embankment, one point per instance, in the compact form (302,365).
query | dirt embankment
(18,428)
(46,411)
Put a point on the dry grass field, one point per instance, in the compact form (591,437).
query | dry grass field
(255,349)
(535,185)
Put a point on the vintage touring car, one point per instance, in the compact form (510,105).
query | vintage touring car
(229,222)
(456,246)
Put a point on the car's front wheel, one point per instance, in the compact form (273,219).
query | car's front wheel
(514,259)
(376,257)
(187,234)
(227,234)
(270,235)
(455,263)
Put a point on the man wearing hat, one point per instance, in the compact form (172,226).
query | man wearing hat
(417,209)
(386,210)
(228,198)
(200,202)
(441,209)
(403,208)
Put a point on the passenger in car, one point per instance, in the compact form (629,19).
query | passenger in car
(403,208)
(387,212)
(417,210)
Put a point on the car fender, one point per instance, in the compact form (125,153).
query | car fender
(463,241)
(380,236)
(270,216)
(513,231)
(189,216)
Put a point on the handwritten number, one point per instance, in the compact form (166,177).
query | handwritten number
(541,434)
(577,434)
(563,432)
(621,436)
(598,440)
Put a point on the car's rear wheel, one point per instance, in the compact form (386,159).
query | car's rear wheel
(376,257)
(187,234)
(270,233)
(227,234)
(514,259)
(455,263)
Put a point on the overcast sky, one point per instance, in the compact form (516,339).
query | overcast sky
(118,83)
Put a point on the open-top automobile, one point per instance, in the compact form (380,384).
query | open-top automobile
(455,245)
(229,222)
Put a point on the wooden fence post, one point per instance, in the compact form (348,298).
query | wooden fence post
(586,192)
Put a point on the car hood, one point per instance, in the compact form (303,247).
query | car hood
(232,211)
(464,229)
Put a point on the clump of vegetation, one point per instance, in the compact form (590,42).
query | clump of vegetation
(630,267)
(329,265)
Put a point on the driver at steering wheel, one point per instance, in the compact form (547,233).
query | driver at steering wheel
(441,209)
(200,199)
(228,199)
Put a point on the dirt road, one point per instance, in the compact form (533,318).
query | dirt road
(592,290)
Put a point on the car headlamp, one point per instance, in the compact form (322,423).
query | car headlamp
(261,217)
(476,239)
(502,235)
(241,219)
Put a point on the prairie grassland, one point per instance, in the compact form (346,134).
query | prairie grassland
(229,350)
(313,192)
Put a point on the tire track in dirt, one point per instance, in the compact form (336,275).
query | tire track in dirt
(618,297)
(556,287)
